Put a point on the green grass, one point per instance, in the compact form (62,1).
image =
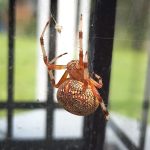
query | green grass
(25,68)
(3,113)
(127,81)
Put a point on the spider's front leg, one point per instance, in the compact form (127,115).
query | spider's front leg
(80,44)
(45,58)
(49,64)
(83,65)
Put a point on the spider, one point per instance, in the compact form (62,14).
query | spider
(77,90)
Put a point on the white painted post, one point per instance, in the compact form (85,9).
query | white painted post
(66,40)
(43,16)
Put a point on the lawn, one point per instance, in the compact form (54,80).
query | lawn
(25,68)
(127,76)
(128,81)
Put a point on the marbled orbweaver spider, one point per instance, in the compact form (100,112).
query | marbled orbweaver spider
(77,91)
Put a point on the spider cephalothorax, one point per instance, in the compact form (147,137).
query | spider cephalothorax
(74,70)
(77,91)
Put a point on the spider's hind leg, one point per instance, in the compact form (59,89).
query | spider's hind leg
(102,105)
(94,84)
(98,78)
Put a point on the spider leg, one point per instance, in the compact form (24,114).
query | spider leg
(97,77)
(52,79)
(45,58)
(54,59)
(80,44)
(51,67)
(103,107)
(81,63)
(87,77)
(55,67)
(96,84)
(49,64)
(89,81)
(93,85)
(85,72)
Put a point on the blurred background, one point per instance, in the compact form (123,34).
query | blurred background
(129,70)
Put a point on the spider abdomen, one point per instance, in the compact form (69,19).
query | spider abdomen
(76,100)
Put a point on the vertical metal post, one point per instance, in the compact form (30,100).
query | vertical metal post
(101,46)
(52,47)
(10,85)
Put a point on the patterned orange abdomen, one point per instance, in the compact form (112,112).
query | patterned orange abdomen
(74,99)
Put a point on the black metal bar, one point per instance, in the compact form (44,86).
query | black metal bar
(41,145)
(145,109)
(122,136)
(102,45)
(10,87)
(52,48)
(26,105)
